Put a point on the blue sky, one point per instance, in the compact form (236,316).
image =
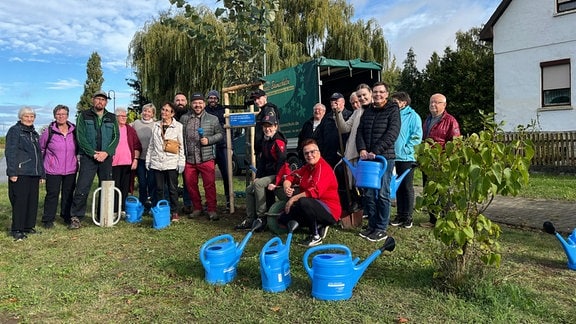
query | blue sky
(44,45)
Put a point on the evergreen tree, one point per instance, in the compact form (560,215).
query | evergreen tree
(94,81)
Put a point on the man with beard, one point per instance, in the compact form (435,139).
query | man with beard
(98,135)
(181,104)
(201,132)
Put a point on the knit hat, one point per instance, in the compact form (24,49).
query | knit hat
(213,93)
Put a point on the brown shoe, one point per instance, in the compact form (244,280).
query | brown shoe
(427,225)
(175,217)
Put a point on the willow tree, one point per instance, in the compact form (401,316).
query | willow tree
(169,57)
(305,29)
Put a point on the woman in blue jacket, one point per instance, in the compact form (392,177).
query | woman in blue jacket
(410,135)
(24,170)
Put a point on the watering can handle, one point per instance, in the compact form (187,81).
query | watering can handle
(211,241)
(132,198)
(275,240)
(162,202)
(381,159)
(320,248)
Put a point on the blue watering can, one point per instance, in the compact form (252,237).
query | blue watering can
(396,181)
(220,256)
(335,275)
(369,173)
(569,245)
(134,209)
(275,262)
(161,214)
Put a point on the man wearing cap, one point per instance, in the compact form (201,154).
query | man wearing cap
(201,132)
(215,108)
(269,164)
(265,109)
(323,130)
(97,134)
(338,103)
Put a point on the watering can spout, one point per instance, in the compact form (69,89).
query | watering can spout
(569,246)
(389,245)
(240,249)
(349,164)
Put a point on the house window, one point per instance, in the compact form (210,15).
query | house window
(565,5)
(556,83)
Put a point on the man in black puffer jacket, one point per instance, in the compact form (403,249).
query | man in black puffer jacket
(377,132)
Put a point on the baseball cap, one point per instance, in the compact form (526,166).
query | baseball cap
(101,94)
(270,119)
(336,96)
(197,96)
(257,94)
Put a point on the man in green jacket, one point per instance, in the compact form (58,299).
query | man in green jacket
(97,135)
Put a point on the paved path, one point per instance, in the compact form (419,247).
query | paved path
(530,213)
(533,213)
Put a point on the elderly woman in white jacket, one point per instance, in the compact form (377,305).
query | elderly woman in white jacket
(363,95)
(167,161)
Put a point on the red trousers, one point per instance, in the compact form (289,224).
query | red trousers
(208,173)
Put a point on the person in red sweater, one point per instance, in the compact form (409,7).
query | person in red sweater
(317,205)
(441,127)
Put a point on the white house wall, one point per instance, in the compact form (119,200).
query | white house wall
(527,34)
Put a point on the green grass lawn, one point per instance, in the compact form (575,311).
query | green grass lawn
(131,273)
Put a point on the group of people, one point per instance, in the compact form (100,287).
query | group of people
(68,156)
(379,125)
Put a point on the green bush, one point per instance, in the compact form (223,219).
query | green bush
(464,177)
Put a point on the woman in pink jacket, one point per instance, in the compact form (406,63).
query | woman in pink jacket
(58,145)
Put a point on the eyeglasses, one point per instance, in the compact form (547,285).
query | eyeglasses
(312,152)
(123,116)
(61,114)
(437,102)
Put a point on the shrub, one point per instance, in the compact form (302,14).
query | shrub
(464,177)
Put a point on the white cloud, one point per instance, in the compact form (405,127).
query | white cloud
(64,84)
(427,26)
(72,27)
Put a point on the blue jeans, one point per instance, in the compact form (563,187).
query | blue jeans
(376,202)
(146,183)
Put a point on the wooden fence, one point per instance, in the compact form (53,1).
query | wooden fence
(554,151)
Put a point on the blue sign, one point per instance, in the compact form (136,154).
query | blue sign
(242,120)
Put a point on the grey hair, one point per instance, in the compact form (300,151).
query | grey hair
(319,105)
(120,110)
(26,110)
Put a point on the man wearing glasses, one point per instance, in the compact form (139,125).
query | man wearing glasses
(441,127)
